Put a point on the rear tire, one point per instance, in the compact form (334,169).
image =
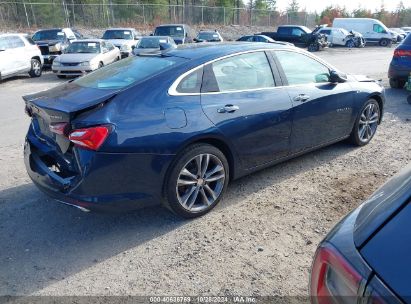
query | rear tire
(36,68)
(197,181)
(385,42)
(366,123)
(397,83)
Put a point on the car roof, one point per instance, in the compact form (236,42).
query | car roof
(88,40)
(120,29)
(158,37)
(215,50)
(15,34)
(172,24)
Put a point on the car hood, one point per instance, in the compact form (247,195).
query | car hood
(120,42)
(71,58)
(383,204)
(143,51)
(48,42)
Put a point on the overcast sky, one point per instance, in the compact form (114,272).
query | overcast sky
(319,5)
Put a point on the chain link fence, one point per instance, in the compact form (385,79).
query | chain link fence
(67,13)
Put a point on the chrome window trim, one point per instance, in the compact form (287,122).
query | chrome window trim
(172,91)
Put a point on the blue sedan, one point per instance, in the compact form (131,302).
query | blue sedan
(365,258)
(174,128)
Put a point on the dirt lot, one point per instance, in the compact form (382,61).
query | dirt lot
(259,241)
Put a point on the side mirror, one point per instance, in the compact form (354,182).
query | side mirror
(336,77)
(196,40)
(133,47)
(152,34)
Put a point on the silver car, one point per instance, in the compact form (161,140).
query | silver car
(19,54)
(83,56)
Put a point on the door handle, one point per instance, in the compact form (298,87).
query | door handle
(301,97)
(228,109)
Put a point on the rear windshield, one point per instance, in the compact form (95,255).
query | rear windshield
(407,40)
(173,31)
(150,42)
(84,48)
(118,34)
(127,72)
(49,35)
(208,36)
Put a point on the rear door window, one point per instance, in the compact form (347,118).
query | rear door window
(15,42)
(191,83)
(241,72)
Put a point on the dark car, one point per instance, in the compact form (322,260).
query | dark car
(208,36)
(365,258)
(400,66)
(176,127)
(181,33)
(256,38)
(150,44)
(52,42)
(300,36)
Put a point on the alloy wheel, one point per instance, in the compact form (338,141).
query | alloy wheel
(200,182)
(36,68)
(368,122)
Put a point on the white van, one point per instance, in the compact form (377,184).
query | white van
(373,30)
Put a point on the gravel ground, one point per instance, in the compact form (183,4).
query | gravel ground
(260,240)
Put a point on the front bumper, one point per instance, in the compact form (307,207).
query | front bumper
(77,70)
(103,181)
(125,54)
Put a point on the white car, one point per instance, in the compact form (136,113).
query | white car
(123,38)
(83,56)
(19,54)
(340,36)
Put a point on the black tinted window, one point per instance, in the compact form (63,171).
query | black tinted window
(284,31)
(49,35)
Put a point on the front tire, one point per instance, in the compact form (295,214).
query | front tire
(197,181)
(366,124)
(36,69)
(350,44)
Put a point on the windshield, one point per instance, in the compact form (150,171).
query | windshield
(48,35)
(209,36)
(150,43)
(127,71)
(83,47)
(173,31)
(118,34)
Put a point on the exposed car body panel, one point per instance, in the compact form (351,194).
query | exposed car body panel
(382,205)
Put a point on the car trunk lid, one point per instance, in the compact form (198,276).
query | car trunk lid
(59,106)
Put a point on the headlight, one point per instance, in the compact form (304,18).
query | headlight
(56,63)
(125,48)
(84,63)
(55,48)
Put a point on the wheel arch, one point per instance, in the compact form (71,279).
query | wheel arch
(378,98)
(37,58)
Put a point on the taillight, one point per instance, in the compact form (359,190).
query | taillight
(90,138)
(402,53)
(333,279)
(59,128)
